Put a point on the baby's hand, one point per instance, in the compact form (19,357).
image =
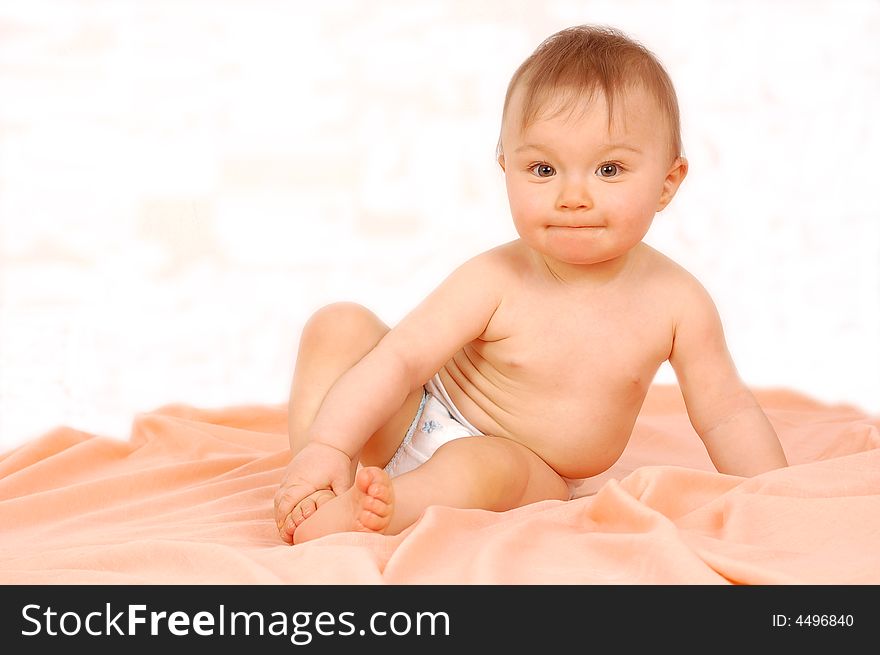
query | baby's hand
(315,468)
(303,510)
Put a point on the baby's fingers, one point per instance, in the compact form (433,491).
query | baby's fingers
(286,530)
(304,510)
(286,499)
(300,513)
(286,526)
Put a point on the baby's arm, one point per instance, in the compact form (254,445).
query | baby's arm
(368,394)
(365,397)
(737,434)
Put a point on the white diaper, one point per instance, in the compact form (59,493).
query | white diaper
(437,421)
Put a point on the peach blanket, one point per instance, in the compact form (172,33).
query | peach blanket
(188,499)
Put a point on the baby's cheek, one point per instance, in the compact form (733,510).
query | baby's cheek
(531,207)
(634,208)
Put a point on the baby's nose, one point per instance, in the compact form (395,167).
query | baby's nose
(574,196)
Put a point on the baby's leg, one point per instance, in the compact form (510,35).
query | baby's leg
(490,473)
(333,340)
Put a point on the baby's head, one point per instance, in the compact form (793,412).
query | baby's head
(590,146)
(574,65)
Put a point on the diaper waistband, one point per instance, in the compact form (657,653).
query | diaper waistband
(435,387)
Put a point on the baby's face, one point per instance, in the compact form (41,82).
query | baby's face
(580,192)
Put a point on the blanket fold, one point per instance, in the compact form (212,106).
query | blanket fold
(188,499)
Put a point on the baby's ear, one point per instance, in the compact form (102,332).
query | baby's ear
(674,177)
(501,161)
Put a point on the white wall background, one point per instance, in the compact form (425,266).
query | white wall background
(182,183)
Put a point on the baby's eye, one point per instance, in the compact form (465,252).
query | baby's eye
(608,170)
(542,170)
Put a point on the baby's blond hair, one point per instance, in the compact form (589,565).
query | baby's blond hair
(574,63)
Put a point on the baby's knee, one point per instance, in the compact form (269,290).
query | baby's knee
(341,321)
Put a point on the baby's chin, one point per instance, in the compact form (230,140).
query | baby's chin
(570,264)
(581,262)
(577,250)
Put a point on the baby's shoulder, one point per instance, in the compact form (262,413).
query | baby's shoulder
(680,289)
(483,276)
(504,261)
(682,294)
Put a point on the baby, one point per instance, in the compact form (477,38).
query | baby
(528,365)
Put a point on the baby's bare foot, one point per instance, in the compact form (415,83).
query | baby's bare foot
(365,507)
(303,510)
(310,504)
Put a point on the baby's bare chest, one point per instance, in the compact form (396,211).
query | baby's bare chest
(571,347)
(570,389)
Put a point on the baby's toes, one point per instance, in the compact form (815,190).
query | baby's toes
(375,514)
(380,493)
(372,521)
